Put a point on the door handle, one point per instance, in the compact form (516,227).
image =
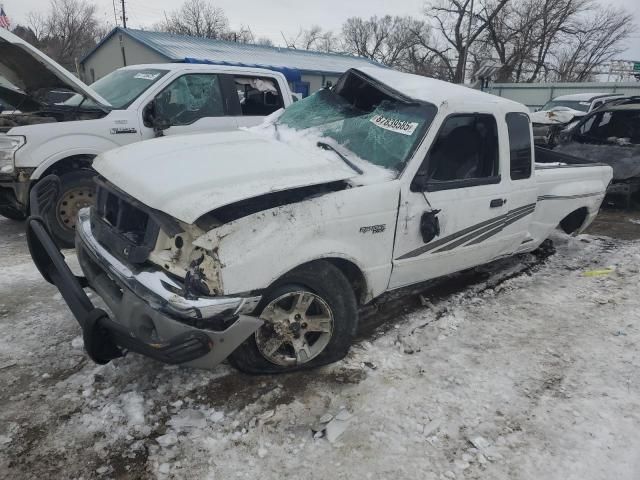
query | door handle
(497,202)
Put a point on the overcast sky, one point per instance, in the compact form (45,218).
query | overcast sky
(269,18)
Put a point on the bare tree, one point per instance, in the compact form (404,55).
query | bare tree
(592,41)
(454,22)
(513,36)
(197,18)
(68,31)
(242,35)
(313,38)
(552,39)
(264,41)
(388,40)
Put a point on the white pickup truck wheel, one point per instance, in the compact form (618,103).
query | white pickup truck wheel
(298,327)
(77,190)
(310,317)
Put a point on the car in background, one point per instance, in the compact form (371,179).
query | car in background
(59,125)
(610,135)
(556,114)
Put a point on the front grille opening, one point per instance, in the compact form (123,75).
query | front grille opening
(133,225)
(127,220)
(122,226)
(111,209)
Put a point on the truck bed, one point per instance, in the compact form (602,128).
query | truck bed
(564,188)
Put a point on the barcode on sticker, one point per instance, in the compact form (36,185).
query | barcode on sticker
(146,76)
(395,125)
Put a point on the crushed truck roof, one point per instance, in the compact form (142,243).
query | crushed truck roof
(435,91)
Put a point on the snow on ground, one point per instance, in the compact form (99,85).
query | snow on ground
(532,377)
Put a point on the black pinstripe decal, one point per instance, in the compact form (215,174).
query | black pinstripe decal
(508,222)
(492,225)
(489,230)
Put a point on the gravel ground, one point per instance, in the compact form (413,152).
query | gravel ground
(527,370)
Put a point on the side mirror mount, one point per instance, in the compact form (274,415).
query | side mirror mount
(152,117)
(419,183)
(430,225)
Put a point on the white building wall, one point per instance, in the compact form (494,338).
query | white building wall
(108,57)
(318,81)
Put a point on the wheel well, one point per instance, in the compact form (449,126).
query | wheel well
(350,270)
(572,222)
(353,274)
(70,164)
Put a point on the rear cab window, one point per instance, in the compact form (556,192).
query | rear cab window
(258,96)
(519,145)
(465,153)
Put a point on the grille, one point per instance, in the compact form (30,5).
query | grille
(122,226)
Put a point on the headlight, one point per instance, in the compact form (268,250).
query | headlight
(9,145)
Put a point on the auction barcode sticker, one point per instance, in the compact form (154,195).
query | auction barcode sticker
(394,125)
(146,76)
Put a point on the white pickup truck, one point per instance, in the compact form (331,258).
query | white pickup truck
(129,105)
(260,245)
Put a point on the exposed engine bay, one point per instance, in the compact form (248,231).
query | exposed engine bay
(47,115)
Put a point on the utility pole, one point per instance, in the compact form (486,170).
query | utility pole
(124,16)
(466,48)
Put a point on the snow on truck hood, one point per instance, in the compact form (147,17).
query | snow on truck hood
(32,71)
(189,175)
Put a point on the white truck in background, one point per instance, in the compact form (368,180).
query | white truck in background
(261,245)
(129,105)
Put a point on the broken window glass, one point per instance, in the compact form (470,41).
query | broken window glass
(621,127)
(258,96)
(378,128)
(190,98)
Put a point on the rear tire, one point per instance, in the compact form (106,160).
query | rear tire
(12,213)
(310,315)
(77,190)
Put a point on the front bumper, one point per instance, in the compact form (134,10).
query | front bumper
(14,191)
(150,315)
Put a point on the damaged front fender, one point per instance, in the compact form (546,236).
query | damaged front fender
(203,276)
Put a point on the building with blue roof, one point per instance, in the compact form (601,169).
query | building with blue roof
(306,71)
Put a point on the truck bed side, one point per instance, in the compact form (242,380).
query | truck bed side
(562,190)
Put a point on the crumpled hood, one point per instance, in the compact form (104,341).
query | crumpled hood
(189,175)
(32,71)
(557,116)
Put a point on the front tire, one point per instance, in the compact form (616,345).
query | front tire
(77,190)
(310,317)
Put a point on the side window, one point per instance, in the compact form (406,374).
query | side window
(190,98)
(258,96)
(598,104)
(464,153)
(519,145)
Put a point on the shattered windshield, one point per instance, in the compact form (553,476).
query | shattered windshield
(120,88)
(369,124)
(573,104)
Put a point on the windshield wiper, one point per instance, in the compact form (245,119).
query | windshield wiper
(326,146)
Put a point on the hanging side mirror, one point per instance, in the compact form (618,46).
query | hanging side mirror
(153,117)
(430,225)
